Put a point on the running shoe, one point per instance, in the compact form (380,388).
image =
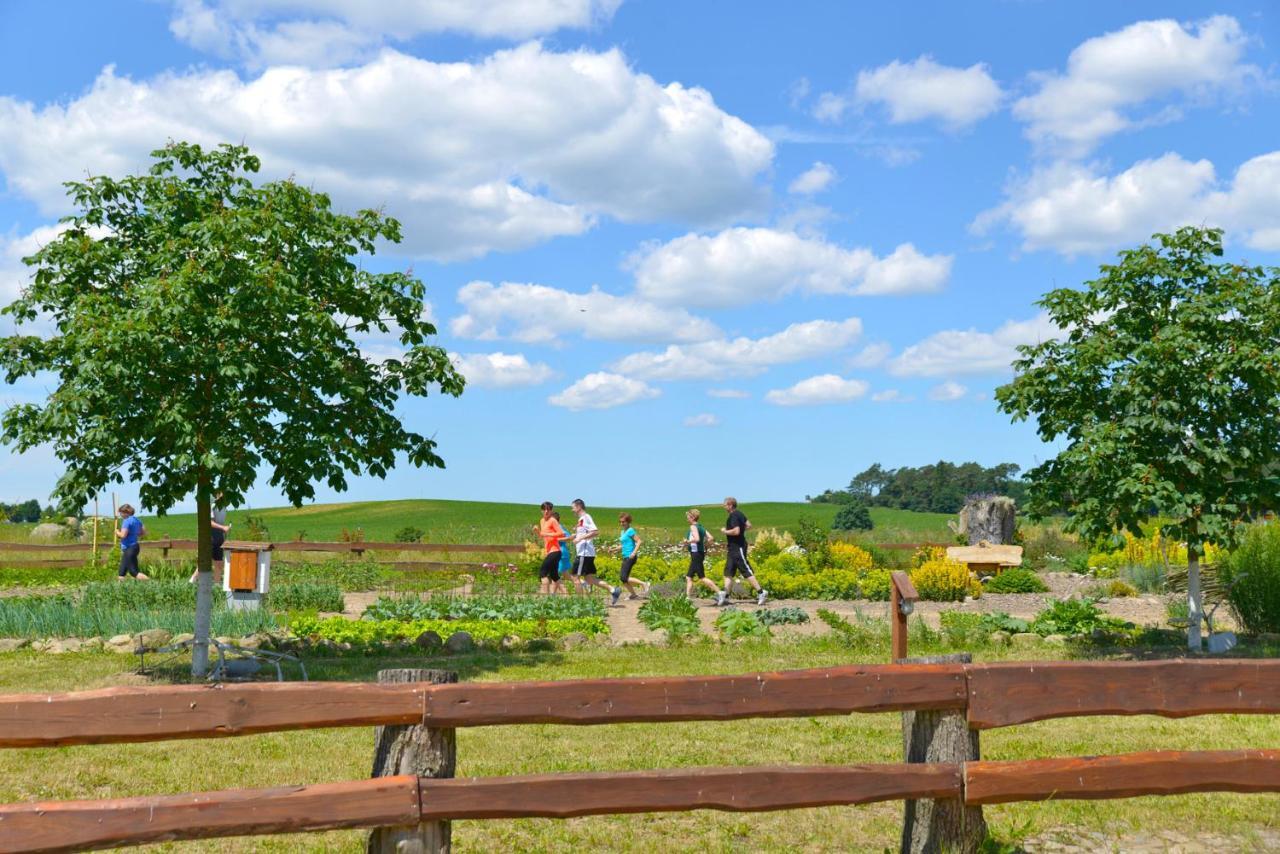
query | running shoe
(763,597)
(615,593)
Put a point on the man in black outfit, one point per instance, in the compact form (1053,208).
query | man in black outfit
(735,531)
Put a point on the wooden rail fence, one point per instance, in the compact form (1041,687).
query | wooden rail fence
(988,695)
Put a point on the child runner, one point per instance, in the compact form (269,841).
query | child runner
(696,539)
(551,533)
(584,571)
(129,532)
(735,531)
(630,546)
(566,563)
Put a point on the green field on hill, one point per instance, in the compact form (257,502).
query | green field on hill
(493,522)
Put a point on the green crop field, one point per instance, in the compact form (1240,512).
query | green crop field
(494,522)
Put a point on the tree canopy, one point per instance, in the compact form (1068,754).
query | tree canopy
(938,488)
(1163,391)
(203,328)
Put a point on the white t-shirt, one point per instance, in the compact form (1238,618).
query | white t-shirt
(586,525)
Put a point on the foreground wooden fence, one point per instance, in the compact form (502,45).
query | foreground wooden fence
(988,695)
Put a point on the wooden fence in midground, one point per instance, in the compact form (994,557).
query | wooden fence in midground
(356,549)
(983,695)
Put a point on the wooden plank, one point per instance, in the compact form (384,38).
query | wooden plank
(49,547)
(1015,693)
(1169,772)
(732,789)
(82,825)
(134,714)
(824,691)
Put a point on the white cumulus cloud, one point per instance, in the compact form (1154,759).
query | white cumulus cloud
(332,32)
(741,265)
(706,419)
(602,390)
(1076,209)
(948,391)
(871,356)
(923,89)
(891,395)
(825,388)
(500,370)
(968,351)
(541,314)
(471,156)
(742,356)
(815,179)
(1108,76)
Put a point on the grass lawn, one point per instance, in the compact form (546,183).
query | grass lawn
(342,754)
(493,522)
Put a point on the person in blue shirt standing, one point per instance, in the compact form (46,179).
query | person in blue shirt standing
(129,533)
(630,549)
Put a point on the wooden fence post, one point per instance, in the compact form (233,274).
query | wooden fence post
(934,826)
(415,749)
(902,599)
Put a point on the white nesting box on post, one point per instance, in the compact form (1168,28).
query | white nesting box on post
(246,573)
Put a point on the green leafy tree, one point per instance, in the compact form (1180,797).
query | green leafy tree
(205,328)
(1163,392)
(852,517)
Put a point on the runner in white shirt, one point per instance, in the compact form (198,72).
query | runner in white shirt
(584,567)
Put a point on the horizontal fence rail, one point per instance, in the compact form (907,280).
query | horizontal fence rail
(988,695)
(406,800)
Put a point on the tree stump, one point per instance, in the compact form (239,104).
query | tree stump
(943,825)
(420,750)
(989,518)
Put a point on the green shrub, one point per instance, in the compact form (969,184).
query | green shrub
(675,615)
(369,633)
(1119,589)
(852,517)
(963,628)
(1073,617)
(782,616)
(734,624)
(861,633)
(815,540)
(1253,575)
(62,617)
(409,534)
(785,564)
(1016,581)
(1147,578)
(410,608)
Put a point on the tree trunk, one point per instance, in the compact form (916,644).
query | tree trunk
(420,750)
(204,580)
(943,825)
(1195,607)
(991,519)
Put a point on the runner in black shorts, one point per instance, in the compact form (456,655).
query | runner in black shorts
(696,539)
(584,568)
(551,533)
(735,531)
(629,541)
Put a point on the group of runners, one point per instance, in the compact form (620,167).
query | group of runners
(580,567)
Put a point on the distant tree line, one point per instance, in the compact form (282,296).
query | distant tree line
(938,488)
(24,511)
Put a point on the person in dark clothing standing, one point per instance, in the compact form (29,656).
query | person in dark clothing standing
(735,531)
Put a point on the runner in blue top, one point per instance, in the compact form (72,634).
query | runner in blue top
(566,562)
(630,546)
(129,532)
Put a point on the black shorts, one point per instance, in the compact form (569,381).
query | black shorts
(550,566)
(697,565)
(585,565)
(129,561)
(216,539)
(736,562)
(628,563)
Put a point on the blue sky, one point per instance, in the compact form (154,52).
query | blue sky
(682,250)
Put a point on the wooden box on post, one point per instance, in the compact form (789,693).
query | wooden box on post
(419,750)
(246,572)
